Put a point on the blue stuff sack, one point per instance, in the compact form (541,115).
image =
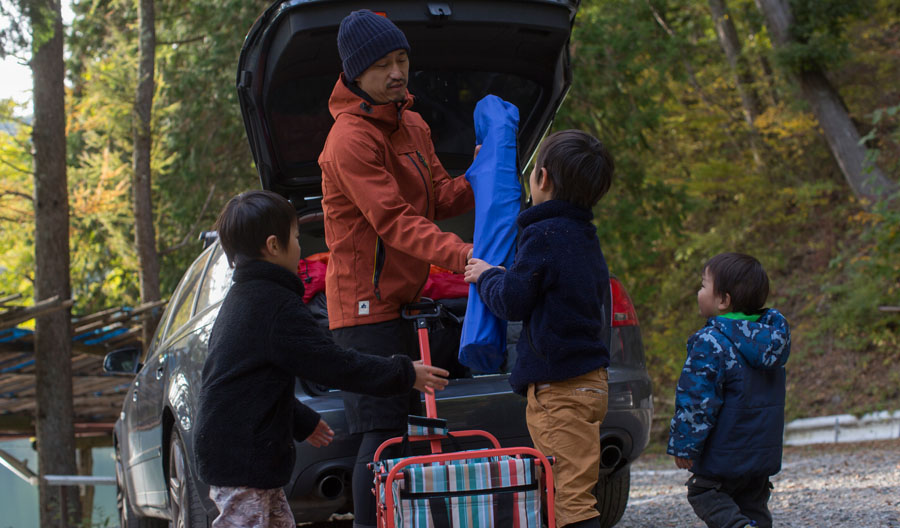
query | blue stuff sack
(494,177)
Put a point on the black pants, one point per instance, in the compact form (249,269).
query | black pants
(376,419)
(731,503)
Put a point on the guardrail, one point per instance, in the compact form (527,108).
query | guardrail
(79,480)
(843,428)
(61,481)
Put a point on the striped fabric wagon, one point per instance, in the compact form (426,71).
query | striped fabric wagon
(498,487)
(501,492)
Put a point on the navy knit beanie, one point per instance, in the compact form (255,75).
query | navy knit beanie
(365,37)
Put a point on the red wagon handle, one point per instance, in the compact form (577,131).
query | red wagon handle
(437,438)
(425,310)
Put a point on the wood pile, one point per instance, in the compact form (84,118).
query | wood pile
(97,395)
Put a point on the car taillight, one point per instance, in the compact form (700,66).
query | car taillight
(623,308)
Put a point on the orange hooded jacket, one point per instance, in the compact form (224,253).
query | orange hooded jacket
(382,188)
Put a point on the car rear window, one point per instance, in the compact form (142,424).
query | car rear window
(215,282)
(447,99)
(183,302)
(300,120)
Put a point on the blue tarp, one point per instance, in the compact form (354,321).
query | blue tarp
(11,334)
(494,177)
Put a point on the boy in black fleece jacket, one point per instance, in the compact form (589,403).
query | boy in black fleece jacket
(263,338)
(559,287)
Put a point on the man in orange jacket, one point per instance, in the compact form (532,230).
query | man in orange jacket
(382,188)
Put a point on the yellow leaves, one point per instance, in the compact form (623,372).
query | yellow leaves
(784,123)
(864,218)
(16,181)
(108,194)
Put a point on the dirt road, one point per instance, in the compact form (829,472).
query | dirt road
(847,485)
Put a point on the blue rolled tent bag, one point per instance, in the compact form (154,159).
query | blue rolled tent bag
(494,177)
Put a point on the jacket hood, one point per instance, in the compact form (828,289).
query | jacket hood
(343,100)
(764,344)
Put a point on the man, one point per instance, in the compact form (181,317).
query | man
(382,188)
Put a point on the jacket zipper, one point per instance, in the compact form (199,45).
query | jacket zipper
(430,185)
(379,265)
(428,192)
(422,175)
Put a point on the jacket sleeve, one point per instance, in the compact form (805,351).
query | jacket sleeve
(304,349)
(698,397)
(357,168)
(305,421)
(452,196)
(513,294)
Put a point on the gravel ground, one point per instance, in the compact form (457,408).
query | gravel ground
(848,485)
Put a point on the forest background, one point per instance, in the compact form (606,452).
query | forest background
(699,170)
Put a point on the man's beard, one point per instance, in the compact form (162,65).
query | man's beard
(401,97)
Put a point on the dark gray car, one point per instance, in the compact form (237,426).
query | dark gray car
(461,51)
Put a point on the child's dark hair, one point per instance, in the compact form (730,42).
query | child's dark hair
(578,164)
(743,278)
(250,218)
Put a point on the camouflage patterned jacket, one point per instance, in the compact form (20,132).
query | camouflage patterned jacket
(729,405)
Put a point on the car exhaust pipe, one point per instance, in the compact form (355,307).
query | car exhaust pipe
(610,456)
(330,486)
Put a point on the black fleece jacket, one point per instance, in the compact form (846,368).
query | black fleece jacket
(558,287)
(264,337)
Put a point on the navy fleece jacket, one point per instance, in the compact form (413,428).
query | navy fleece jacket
(559,287)
(729,405)
(263,338)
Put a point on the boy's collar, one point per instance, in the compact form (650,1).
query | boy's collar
(741,316)
(553,208)
(261,269)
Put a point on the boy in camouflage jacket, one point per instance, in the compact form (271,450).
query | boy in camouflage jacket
(729,405)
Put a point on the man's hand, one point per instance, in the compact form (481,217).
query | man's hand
(684,463)
(429,378)
(476,267)
(321,436)
(469,254)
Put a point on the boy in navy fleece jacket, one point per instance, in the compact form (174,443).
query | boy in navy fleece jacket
(729,405)
(559,287)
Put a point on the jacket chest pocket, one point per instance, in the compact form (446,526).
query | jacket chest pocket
(416,182)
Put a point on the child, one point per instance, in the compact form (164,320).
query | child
(264,337)
(729,405)
(558,286)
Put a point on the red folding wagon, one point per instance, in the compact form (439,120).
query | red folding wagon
(482,488)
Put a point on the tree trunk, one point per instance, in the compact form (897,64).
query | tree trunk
(144,233)
(52,343)
(731,45)
(866,180)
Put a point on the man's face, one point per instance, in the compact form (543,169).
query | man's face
(385,80)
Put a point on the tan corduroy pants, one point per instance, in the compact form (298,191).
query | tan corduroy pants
(564,421)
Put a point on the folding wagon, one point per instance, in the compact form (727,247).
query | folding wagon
(482,488)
